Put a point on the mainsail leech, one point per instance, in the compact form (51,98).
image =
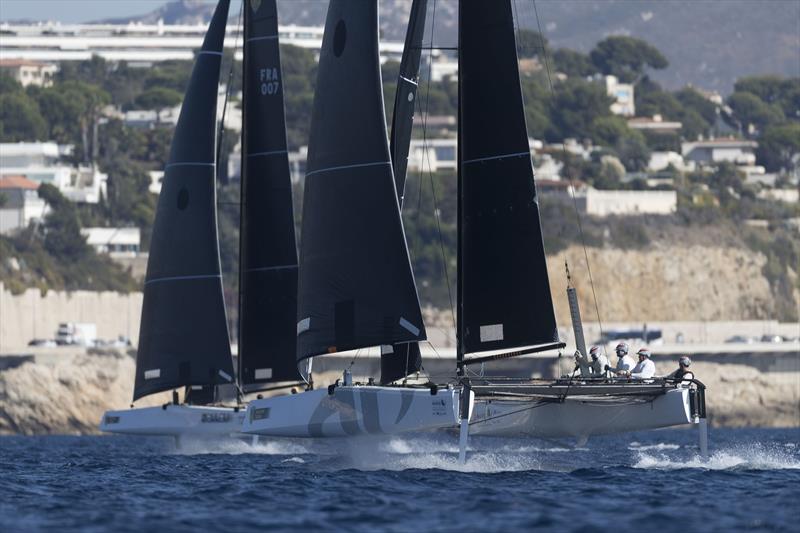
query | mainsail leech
(183,339)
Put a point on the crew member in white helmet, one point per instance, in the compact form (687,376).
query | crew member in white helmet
(625,362)
(599,363)
(682,374)
(645,369)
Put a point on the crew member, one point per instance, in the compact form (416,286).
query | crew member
(645,369)
(624,361)
(682,374)
(599,363)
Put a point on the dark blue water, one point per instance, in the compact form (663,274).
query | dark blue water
(648,481)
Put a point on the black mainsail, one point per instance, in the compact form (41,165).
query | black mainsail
(401,360)
(183,340)
(356,288)
(504,291)
(268,264)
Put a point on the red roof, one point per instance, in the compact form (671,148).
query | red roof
(17,182)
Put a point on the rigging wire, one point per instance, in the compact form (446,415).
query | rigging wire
(426,151)
(569,174)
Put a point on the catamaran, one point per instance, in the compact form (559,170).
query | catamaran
(356,288)
(504,304)
(184,338)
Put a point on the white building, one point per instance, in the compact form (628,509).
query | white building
(656,124)
(139,44)
(20,204)
(661,160)
(709,152)
(116,242)
(603,203)
(41,162)
(28,72)
(622,93)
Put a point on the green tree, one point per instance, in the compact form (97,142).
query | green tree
(572,63)
(158,98)
(62,229)
(779,147)
(626,57)
(20,119)
(577,104)
(782,92)
(750,109)
(9,84)
(530,43)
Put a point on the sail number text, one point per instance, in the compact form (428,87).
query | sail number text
(270,81)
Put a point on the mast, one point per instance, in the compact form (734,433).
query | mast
(268,249)
(356,289)
(183,339)
(400,360)
(459,221)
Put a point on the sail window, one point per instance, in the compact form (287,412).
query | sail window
(339,38)
(183,198)
(493,332)
(263,373)
(225,375)
(152,374)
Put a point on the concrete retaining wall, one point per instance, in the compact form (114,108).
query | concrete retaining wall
(31,315)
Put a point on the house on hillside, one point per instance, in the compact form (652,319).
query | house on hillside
(115,242)
(622,93)
(655,124)
(712,151)
(20,204)
(28,72)
(42,162)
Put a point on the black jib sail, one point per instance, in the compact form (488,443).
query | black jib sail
(268,265)
(355,285)
(183,338)
(504,289)
(403,359)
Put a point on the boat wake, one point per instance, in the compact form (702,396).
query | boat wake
(744,457)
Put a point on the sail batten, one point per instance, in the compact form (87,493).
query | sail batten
(183,338)
(268,264)
(356,289)
(504,290)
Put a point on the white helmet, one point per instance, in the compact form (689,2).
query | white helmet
(622,349)
(684,361)
(595,352)
(644,351)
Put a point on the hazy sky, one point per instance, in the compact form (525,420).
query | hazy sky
(72,11)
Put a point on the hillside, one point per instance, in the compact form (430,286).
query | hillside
(708,44)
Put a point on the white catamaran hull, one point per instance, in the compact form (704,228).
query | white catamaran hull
(353,410)
(192,421)
(580,417)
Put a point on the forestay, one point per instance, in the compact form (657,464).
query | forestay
(504,290)
(183,338)
(355,284)
(268,265)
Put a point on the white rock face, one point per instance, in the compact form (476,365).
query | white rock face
(66,393)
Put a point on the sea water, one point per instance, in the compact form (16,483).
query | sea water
(653,481)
